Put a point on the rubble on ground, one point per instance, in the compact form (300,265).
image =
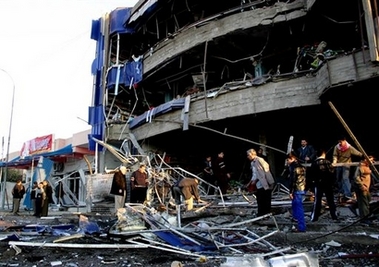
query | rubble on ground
(220,231)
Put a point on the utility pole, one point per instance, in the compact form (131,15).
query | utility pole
(9,142)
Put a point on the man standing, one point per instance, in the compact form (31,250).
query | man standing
(40,199)
(297,191)
(221,173)
(118,188)
(208,174)
(139,181)
(306,154)
(48,199)
(48,191)
(362,182)
(18,192)
(342,154)
(324,177)
(33,196)
(262,178)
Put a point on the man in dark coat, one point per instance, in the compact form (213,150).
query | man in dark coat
(118,187)
(208,174)
(139,183)
(49,198)
(18,192)
(322,174)
(221,173)
(306,154)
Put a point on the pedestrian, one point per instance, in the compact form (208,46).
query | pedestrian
(361,185)
(139,181)
(297,191)
(221,173)
(49,191)
(262,153)
(40,199)
(262,178)
(118,188)
(209,175)
(18,192)
(342,154)
(306,154)
(33,197)
(322,174)
(48,198)
(188,188)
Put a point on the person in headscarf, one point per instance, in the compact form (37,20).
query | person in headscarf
(342,154)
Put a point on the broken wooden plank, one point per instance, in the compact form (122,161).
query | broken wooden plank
(65,238)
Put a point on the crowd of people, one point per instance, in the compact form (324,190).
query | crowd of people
(41,195)
(309,171)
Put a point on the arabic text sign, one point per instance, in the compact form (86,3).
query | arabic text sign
(37,145)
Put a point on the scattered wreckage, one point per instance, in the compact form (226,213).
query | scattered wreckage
(139,227)
(162,224)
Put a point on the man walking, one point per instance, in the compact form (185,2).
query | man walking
(264,181)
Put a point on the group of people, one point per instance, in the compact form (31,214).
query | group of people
(138,186)
(311,170)
(138,182)
(135,186)
(41,196)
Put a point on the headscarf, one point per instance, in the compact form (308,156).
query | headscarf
(343,148)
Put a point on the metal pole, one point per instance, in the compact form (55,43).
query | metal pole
(354,138)
(9,141)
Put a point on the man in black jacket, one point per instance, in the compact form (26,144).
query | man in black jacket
(18,192)
(118,187)
(306,154)
(322,174)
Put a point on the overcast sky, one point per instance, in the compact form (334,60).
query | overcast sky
(46,54)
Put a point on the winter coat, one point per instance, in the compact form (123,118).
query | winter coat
(18,191)
(263,172)
(118,186)
(297,177)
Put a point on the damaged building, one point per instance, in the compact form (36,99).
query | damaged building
(188,79)
(175,81)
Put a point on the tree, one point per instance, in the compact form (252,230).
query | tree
(13,175)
